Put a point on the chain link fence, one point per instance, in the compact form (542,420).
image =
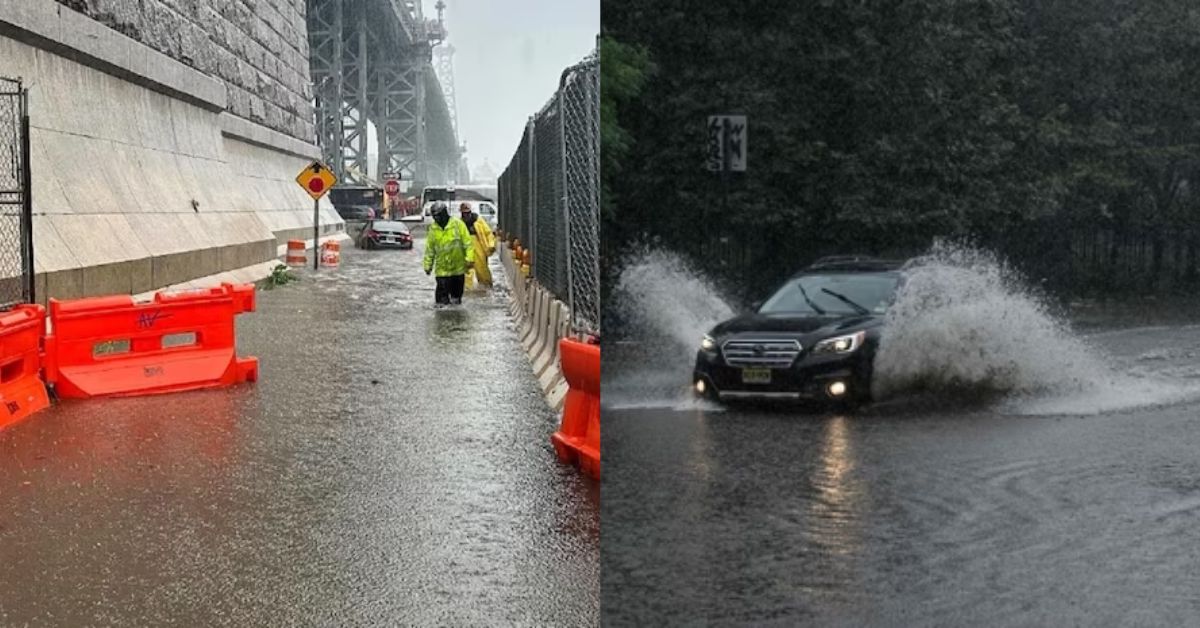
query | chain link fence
(16,235)
(550,193)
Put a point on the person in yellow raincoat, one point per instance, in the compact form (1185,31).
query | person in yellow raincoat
(448,249)
(485,245)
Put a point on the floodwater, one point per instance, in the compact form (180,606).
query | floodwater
(1059,486)
(392,466)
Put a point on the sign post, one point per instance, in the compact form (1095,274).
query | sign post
(391,190)
(726,150)
(316,179)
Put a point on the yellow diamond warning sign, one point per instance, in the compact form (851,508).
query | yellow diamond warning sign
(316,179)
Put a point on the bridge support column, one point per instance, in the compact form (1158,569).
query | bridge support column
(399,119)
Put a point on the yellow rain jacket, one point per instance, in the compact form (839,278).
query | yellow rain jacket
(485,246)
(449,251)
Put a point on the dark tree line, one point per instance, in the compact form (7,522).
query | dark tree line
(1065,134)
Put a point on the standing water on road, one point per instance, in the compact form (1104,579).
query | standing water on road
(392,466)
(920,509)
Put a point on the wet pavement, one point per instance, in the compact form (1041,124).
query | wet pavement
(392,466)
(917,511)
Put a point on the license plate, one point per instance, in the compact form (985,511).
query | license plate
(756,376)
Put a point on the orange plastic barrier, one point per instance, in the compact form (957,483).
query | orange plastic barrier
(295,253)
(578,440)
(331,254)
(104,346)
(21,389)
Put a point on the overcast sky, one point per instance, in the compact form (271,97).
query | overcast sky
(509,55)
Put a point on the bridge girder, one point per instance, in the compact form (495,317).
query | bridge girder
(371,63)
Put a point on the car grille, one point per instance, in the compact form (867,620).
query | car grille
(778,354)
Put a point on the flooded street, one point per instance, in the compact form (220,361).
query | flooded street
(392,466)
(1026,465)
(916,511)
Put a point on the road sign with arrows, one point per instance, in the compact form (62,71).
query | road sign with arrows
(316,179)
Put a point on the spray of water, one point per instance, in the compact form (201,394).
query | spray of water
(962,324)
(666,306)
(962,321)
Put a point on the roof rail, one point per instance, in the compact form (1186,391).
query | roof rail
(829,259)
(853,262)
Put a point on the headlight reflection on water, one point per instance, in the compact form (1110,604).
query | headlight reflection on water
(834,509)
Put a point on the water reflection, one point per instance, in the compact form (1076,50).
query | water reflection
(834,509)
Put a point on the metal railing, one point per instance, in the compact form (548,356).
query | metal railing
(16,229)
(550,193)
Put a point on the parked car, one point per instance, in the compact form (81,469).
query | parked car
(379,234)
(814,338)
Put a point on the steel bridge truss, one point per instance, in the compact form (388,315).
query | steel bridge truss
(371,64)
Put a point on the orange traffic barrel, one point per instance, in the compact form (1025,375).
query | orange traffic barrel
(295,253)
(331,254)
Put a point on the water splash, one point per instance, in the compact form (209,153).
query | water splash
(665,306)
(963,321)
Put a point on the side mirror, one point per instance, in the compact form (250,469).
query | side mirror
(754,306)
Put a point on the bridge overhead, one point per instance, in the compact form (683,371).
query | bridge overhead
(371,65)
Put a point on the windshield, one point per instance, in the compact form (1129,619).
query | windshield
(871,291)
(389,225)
(436,194)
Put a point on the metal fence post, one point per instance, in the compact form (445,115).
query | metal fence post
(566,209)
(531,202)
(26,197)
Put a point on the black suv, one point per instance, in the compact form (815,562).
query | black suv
(815,338)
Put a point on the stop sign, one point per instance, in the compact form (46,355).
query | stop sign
(392,187)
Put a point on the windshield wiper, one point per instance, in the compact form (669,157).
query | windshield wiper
(814,306)
(845,299)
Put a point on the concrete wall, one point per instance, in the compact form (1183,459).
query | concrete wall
(142,177)
(258,48)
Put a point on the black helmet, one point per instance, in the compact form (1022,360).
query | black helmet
(439,208)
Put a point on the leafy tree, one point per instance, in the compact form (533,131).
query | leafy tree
(624,70)
(1061,132)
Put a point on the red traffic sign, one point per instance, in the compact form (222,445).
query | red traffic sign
(392,187)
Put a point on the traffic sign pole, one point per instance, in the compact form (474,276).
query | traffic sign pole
(316,180)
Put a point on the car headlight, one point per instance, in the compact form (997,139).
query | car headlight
(841,344)
(707,343)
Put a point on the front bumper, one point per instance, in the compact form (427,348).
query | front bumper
(807,379)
